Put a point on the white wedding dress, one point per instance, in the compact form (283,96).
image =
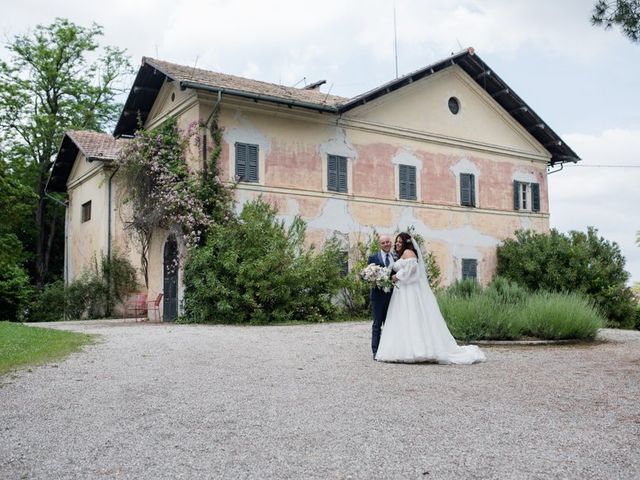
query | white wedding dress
(414,330)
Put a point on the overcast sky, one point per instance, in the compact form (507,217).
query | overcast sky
(583,81)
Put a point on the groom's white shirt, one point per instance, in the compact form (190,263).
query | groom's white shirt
(383,254)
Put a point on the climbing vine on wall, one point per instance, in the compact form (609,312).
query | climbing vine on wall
(163,189)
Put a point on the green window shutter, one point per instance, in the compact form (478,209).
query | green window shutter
(403,173)
(535,195)
(516,195)
(342,175)
(412,183)
(337,174)
(472,181)
(252,163)
(332,173)
(247,162)
(241,161)
(469,268)
(407,174)
(467,189)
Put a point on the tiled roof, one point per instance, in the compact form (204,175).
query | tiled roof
(96,145)
(154,73)
(189,74)
(93,145)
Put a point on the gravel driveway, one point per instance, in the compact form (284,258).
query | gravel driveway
(183,401)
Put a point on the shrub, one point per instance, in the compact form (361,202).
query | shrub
(255,270)
(478,317)
(93,295)
(48,304)
(560,316)
(464,288)
(505,311)
(506,292)
(15,292)
(576,262)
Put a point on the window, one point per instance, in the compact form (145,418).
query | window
(467,189)
(469,268)
(344,263)
(526,196)
(337,173)
(247,162)
(454,105)
(407,176)
(86,212)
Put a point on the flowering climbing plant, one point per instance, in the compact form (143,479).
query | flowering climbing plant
(163,191)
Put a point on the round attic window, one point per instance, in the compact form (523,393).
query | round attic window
(454,105)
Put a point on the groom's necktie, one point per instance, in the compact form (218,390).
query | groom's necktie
(386,260)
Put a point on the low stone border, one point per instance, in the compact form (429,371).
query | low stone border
(531,342)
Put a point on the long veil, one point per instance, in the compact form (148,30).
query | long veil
(422,270)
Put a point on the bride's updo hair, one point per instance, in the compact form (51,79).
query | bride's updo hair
(407,244)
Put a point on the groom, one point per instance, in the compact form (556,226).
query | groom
(380,299)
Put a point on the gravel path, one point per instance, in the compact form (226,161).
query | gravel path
(301,402)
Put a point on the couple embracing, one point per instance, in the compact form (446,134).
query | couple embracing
(414,329)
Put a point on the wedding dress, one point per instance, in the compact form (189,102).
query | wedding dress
(414,330)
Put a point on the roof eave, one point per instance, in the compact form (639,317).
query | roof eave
(466,59)
(57,181)
(184,84)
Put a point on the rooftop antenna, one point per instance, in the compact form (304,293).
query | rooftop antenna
(395,36)
(327,95)
(194,66)
(303,79)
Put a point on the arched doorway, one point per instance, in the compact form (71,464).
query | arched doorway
(170,284)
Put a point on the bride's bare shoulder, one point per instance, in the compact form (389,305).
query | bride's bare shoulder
(408,254)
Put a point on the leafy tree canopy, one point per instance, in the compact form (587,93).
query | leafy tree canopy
(58,78)
(624,13)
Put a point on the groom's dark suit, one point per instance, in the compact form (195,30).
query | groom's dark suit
(379,305)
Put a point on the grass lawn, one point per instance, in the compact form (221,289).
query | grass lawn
(22,346)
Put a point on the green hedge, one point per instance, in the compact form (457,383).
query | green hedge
(505,311)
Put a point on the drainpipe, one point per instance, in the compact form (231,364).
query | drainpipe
(558,170)
(109,214)
(215,108)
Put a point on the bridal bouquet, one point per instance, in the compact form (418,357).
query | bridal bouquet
(377,276)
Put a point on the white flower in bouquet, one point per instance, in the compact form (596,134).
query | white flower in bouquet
(378,277)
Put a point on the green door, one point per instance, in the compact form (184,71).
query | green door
(170,301)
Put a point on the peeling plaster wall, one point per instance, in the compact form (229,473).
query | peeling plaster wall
(86,241)
(292,153)
(409,127)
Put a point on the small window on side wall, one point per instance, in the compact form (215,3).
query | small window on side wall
(337,174)
(526,196)
(85,215)
(469,268)
(467,189)
(247,162)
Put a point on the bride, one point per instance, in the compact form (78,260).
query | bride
(415,330)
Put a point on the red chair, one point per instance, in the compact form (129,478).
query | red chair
(154,306)
(137,305)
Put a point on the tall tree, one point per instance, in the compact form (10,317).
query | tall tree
(58,78)
(624,13)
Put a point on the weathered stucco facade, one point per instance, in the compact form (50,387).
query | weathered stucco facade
(412,127)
